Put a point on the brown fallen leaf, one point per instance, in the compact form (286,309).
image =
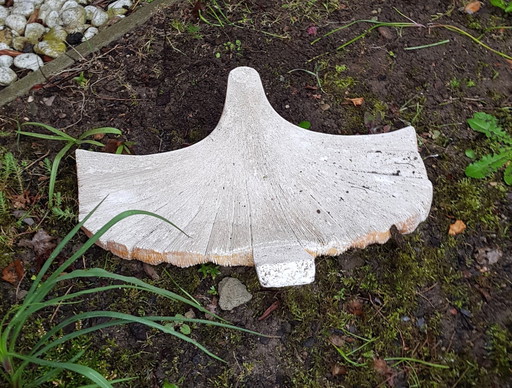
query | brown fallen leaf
(338,370)
(14,272)
(11,53)
(355,306)
(151,271)
(473,7)
(457,228)
(337,340)
(358,101)
(268,311)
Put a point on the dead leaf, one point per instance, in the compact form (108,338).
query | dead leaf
(381,367)
(14,272)
(473,7)
(34,16)
(11,53)
(338,370)
(150,271)
(457,228)
(21,201)
(337,340)
(355,306)
(268,311)
(509,61)
(41,243)
(358,101)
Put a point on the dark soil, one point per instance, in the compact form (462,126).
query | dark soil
(424,295)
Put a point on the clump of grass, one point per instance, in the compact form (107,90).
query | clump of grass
(15,362)
(69,141)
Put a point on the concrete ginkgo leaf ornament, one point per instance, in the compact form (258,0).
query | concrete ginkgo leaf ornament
(257,191)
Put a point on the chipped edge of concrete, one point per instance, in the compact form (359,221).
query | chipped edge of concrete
(103,38)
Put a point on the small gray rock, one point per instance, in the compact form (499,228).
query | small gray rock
(7,76)
(5,61)
(232,293)
(4,12)
(89,33)
(19,42)
(28,61)
(53,19)
(16,23)
(73,19)
(23,8)
(34,31)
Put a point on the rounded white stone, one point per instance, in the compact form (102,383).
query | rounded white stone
(5,61)
(16,23)
(73,19)
(34,31)
(7,76)
(25,9)
(54,4)
(120,4)
(56,33)
(19,42)
(53,19)
(28,61)
(4,46)
(99,17)
(4,12)
(89,33)
(69,4)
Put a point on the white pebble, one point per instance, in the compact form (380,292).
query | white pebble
(5,61)
(28,61)
(120,4)
(73,19)
(4,46)
(53,19)
(69,4)
(97,16)
(16,23)
(7,76)
(25,9)
(34,31)
(4,12)
(89,33)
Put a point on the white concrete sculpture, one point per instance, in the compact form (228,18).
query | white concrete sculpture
(257,191)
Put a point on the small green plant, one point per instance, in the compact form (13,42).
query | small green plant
(455,83)
(69,141)
(209,270)
(15,362)
(212,291)
(504,5)
(305,124)
(501,143)
(81,80)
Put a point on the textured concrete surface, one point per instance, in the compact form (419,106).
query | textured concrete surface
(258,191)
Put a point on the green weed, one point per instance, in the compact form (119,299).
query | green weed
(69,141)
(501,142)
(15,361)
(503,4)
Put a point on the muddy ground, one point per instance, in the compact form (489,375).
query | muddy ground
(427,297)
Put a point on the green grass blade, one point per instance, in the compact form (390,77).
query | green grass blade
(42,136)
(54,171)
(101,273)
(83,370)
(37,291)
(52,373)
(112,382)
(92,142)
(53,130)
(405,359)
(96,131)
